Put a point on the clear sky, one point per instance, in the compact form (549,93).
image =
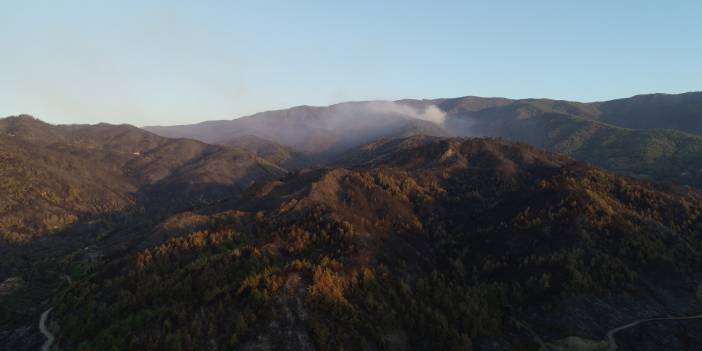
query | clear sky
(170,62)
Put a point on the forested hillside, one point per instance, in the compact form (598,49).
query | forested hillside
(51,176)
(416,243)
(406,241)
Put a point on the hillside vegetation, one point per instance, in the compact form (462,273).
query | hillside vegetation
(418,243)
(50,176)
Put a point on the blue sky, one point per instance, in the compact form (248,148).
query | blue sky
(170,62)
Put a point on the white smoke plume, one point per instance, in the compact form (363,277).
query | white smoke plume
(429,113)
(434,114)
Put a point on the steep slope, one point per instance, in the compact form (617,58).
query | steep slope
(44,190)
(418,243)
(54,175)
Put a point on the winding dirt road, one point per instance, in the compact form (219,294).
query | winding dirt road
(44,330)
(44,317)
(576,343)
(612,344)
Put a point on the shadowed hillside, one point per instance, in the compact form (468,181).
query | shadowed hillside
(54,175)
(417,243)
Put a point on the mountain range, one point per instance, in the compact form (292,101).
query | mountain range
(657,136)
(459,224)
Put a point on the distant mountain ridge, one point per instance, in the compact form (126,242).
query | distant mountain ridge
(314,130)
(681,112)
(656,136)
